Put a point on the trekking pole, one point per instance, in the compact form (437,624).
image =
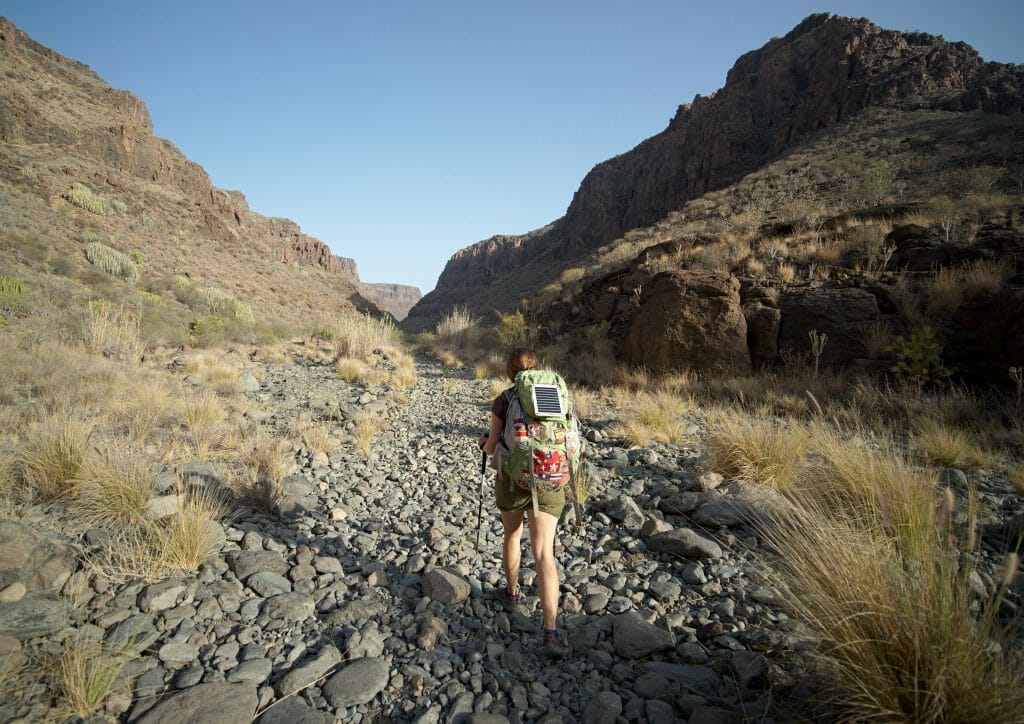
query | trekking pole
(480,510)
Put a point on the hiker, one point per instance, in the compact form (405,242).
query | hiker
(513,502)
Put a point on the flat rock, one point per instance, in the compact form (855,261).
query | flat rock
(305,674)
(267,583)
(445,587)
(163,506)
(213,703)
(289,607)
(40,560)
(292,710)
(750,667)
(246,563)
(634,638)
(30,618)
(684,543)
(357,683)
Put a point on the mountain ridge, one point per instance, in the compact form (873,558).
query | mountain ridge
(825,70)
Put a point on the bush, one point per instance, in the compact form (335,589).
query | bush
(756,449)
(219,303)
(111,261)
(85,198)
(919,359)
(357,336)
(258,484)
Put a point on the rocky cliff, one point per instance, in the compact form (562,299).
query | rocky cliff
(60,124)
(823,72)
(397,299)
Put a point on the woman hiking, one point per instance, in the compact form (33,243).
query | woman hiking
(515,502)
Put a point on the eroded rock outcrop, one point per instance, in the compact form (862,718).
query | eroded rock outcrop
(396,299)
(691,320)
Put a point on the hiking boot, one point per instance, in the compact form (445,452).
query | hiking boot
(510,600)
(553,648)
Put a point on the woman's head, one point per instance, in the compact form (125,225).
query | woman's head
(519,359)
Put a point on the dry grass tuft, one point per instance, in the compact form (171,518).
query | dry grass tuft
(358,336)
(940,444)
(364,430)
(349,369)
(899,635)
(115,487)
(404,376)
(457,327)
(204,416)
(85,674)
(50,459)
(1016,477)
(756,449)
(193,534)
(147,407)
(653,416)
(258,483)
(114,332)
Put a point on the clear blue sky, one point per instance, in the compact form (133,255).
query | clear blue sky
(401,131)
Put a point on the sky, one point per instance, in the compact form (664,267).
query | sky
(400,131)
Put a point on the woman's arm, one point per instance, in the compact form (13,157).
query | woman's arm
(490,440)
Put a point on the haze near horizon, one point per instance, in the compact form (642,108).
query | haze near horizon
(399,133)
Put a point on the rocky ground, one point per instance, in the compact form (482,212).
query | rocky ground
(367,600)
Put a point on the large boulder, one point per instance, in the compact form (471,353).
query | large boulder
(38,559)
(689,320)
(842,313)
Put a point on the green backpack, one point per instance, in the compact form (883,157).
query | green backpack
(541,443)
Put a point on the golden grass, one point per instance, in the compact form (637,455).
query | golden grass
(85,674)
(358,336)
(496,387)
(147,406)
(317,437)
(203,415)
(223,378)
(188,538)
(364,430)
(584,401)
(653,416)
(404,376)
(114,488)
(756,449)
(899,636)
(456,327)
(114,332)
(349,369)
(1016,478)
(51,457)
(940,444)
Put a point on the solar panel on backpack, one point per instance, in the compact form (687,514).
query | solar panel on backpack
(546,400)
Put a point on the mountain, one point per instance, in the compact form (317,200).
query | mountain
(80,166)
(396,299)
(825,72)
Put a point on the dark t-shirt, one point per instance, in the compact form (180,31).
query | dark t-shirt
(499,408)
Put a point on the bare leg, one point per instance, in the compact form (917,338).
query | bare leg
(542,543)
(511,549)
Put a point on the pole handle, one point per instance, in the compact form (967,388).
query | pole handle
(483,461)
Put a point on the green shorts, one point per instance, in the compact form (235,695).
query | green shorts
(511,497)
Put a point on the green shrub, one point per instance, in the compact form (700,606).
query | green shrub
(12,287)
(111,261)
(513,330)
(919,359)
(220,303)
(84,197)
(137,256)
(182,281)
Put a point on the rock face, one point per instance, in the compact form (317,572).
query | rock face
(82,130)
(823,72)
(397,299)
(689,319)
